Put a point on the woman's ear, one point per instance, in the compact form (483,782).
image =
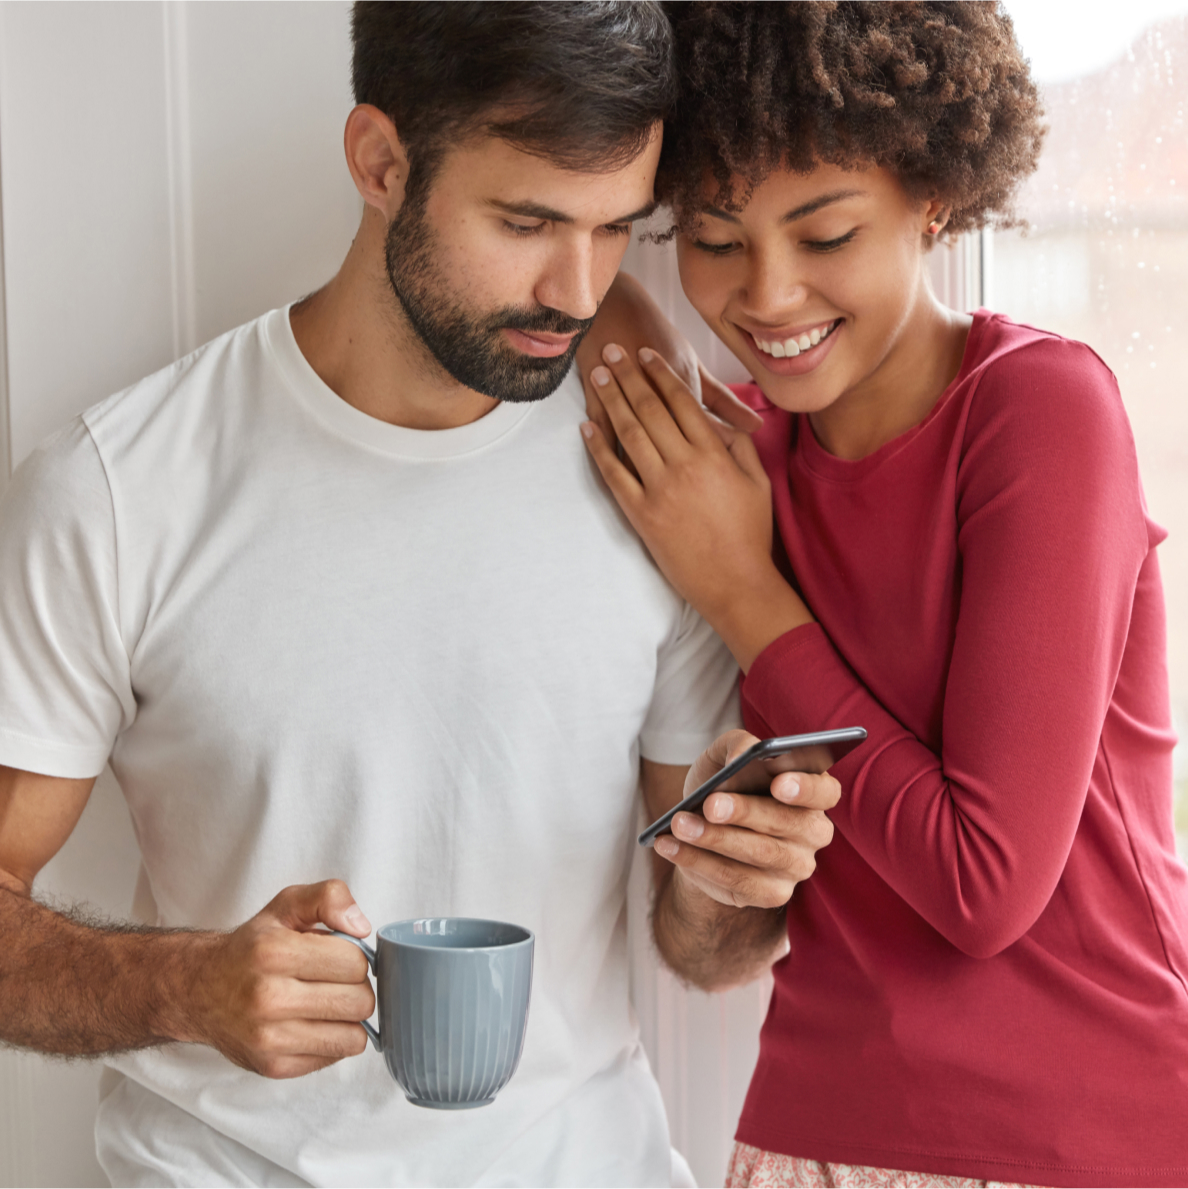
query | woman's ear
(936,216)
(376,158)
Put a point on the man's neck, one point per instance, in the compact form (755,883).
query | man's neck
(354,334)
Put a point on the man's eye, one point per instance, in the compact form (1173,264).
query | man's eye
(618,228)
(524,229)
(713,249)
(830,245)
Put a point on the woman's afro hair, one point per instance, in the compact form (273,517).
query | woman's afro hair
(937,92)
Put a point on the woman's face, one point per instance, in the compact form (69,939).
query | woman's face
(817,284)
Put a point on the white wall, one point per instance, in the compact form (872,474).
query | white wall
(168,171)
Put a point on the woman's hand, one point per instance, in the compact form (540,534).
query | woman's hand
(701,501)
(630,317)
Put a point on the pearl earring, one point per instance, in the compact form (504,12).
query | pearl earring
(934,228)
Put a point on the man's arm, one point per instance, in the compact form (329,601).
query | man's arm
(271,996)
(722,882)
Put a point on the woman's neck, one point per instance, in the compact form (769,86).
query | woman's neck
(903,389)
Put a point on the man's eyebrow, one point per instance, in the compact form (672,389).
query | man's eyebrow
(534,210)
(796,213)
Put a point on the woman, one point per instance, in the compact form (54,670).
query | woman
(987,972)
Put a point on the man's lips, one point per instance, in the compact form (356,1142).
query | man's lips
(538,342)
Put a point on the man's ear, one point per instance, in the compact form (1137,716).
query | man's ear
(376,159)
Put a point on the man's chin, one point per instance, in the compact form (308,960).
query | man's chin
(522,379)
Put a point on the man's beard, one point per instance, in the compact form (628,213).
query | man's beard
(468,343)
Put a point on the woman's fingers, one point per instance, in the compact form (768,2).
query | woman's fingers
(723,403)
(645,401)
(743,451)
(632,437)
(624,486)
(597,413)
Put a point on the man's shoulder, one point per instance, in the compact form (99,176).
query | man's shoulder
(203,387)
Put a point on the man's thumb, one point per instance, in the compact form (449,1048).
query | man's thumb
(330,903)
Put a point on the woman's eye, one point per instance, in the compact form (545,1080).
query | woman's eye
(713,249)
(830,245)
(524,229)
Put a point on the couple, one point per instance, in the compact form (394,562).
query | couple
(345,602)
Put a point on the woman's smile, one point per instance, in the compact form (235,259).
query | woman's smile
(795,352)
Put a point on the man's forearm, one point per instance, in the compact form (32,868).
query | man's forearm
(712,945)
(75,989)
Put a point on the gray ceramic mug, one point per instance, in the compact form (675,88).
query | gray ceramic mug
(453,1006)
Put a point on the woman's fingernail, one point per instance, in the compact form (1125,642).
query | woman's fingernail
(600,376)
(646,354)
(611,353)
(667,846)
(689,824)
(356,919)
(587,429)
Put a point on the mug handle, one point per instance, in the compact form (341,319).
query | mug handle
(369,954)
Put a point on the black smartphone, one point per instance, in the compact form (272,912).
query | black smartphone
(760,763)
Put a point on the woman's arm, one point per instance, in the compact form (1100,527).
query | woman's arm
(1054,554)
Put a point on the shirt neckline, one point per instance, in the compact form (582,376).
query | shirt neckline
(346,421)
(817,459)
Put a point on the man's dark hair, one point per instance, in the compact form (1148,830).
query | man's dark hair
(580,84)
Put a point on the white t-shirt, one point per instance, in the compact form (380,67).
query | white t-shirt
(317,645)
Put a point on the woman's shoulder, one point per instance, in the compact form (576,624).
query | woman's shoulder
(1012,359)
(1040,382)
(1041,403)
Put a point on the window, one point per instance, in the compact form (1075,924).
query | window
(1105,259)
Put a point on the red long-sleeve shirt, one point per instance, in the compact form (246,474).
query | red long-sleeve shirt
(988,972)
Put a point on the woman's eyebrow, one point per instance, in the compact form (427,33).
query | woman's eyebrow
(796,213)
(817,203)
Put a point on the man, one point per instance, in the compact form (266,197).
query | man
(340,599)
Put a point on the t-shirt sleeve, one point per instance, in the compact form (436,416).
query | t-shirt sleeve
(1052,537)
(65,683)
(696,694)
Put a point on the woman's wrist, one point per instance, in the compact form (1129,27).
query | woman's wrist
(758,613)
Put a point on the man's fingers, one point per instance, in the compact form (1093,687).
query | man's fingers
(806,789)
(715,757)
(772,815)
(330,903)
(289,1048)
(318,958)
(781,845)
(723,403)
(728,881)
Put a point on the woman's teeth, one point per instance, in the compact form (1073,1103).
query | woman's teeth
(789,348)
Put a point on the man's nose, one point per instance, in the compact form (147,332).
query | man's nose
(568,283)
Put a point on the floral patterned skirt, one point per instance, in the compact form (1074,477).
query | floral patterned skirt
(755,1168)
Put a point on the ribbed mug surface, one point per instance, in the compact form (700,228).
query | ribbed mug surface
(453,1007)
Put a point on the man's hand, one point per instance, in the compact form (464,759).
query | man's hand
(279,999)
(750,851)
(720,896)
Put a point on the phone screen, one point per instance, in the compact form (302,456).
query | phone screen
(753,771)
